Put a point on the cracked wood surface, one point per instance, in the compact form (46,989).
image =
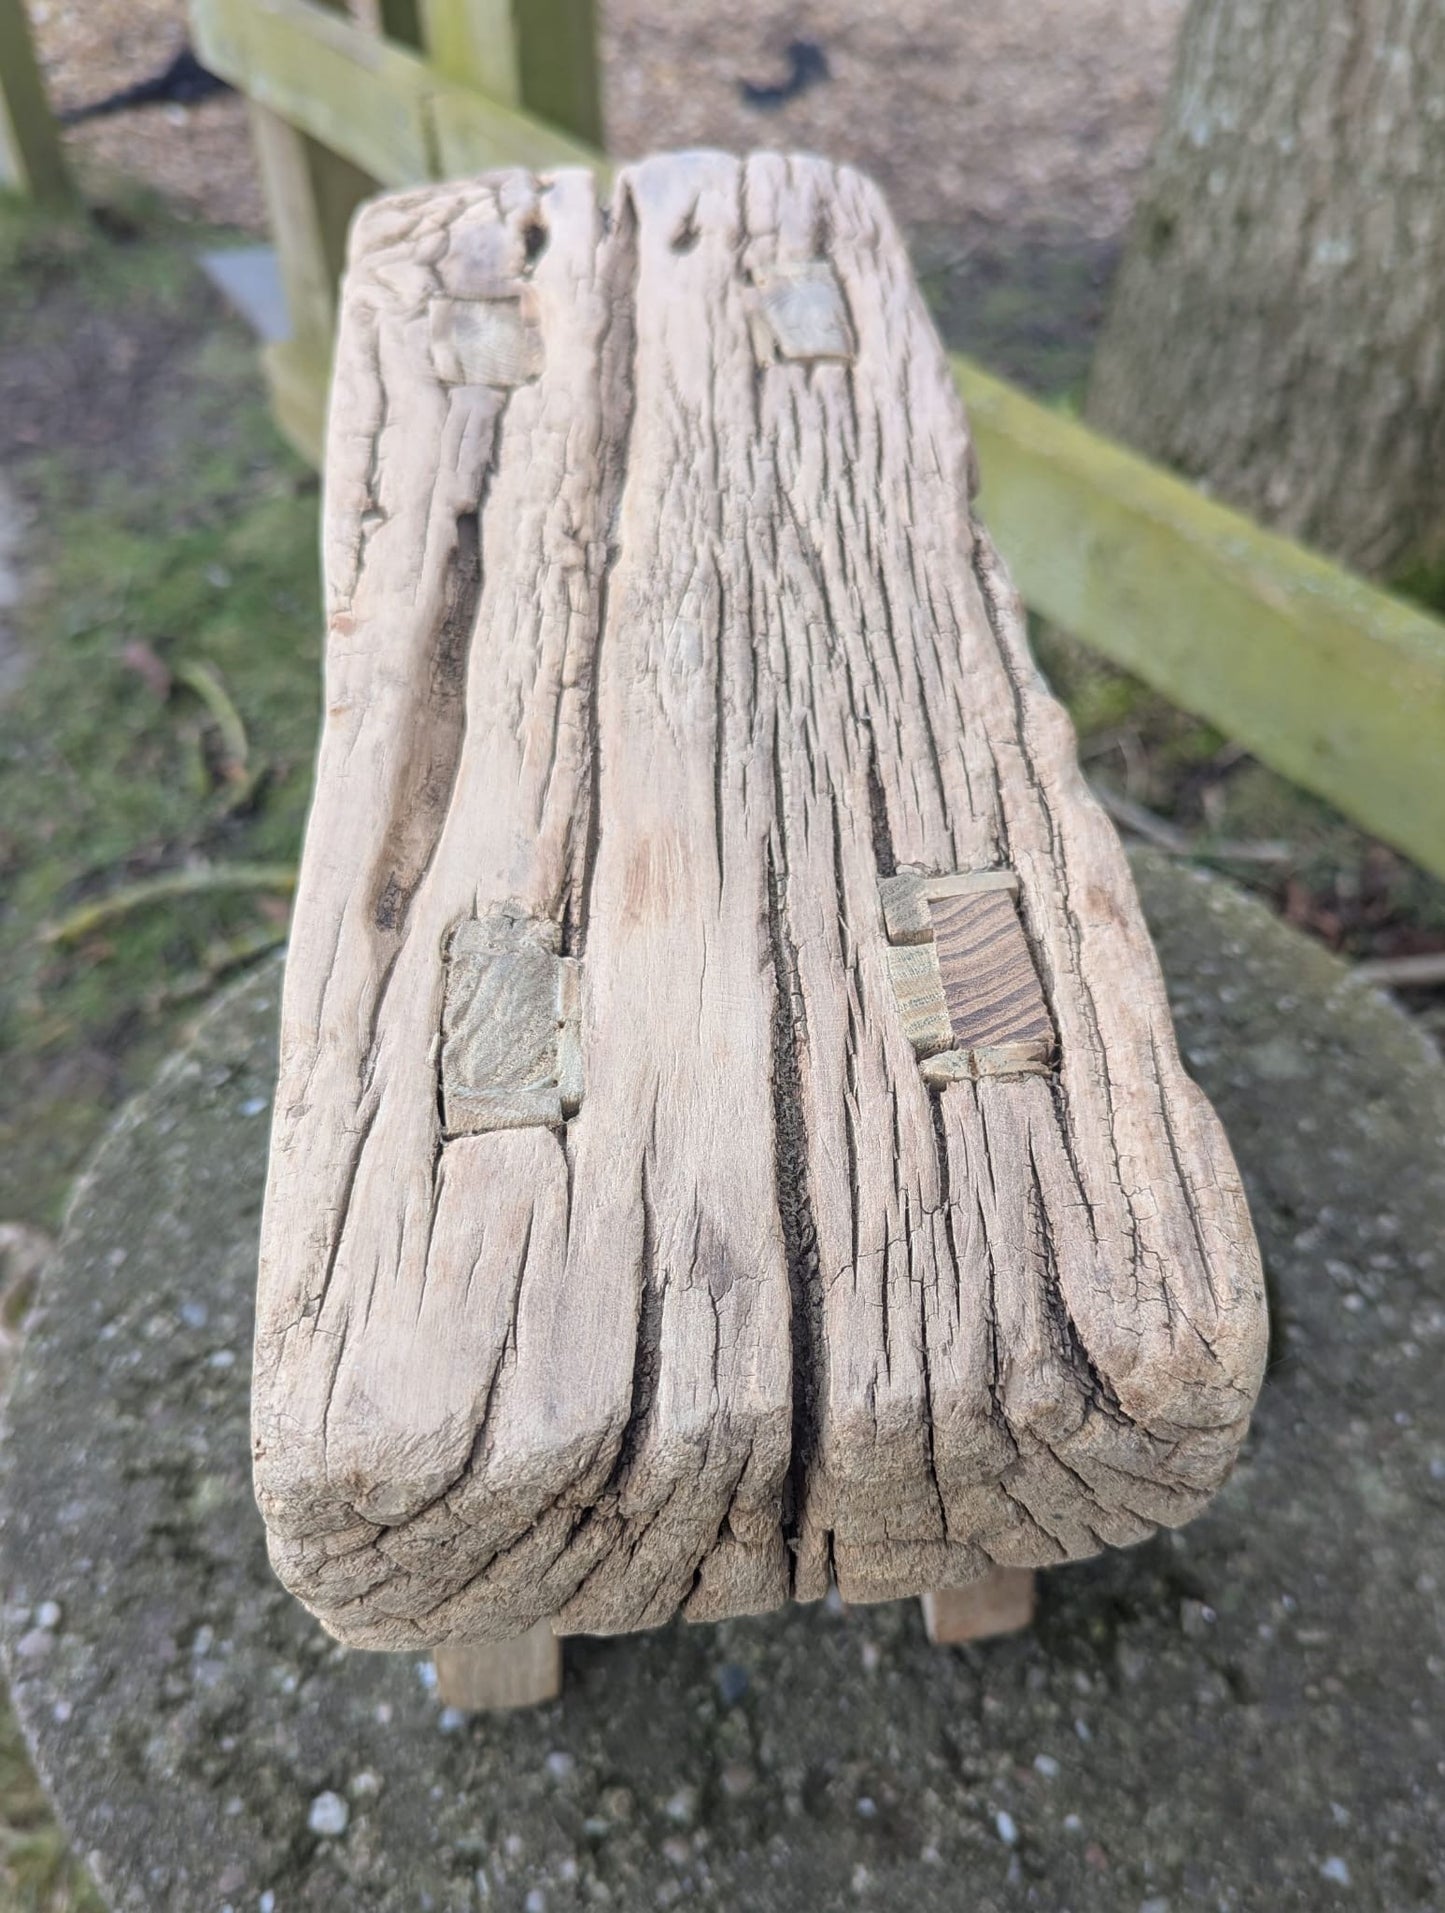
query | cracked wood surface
(661,631)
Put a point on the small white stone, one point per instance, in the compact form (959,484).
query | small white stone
(221,1358)
(867,1807)
(61,1711)
(1006,1827)
(536,1901)
(451,1720)
(328,1816)
(365,1786)
(267,1902)
(1046,1765)
(48,1615)
(681,1809)
(35,1645)
(872,1656)
(560,1765)
(1081,1728)
(1337,1870)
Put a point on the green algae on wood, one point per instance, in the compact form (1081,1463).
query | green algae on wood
(1330,681)
(375,102)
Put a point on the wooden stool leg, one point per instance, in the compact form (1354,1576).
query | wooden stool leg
(1001,1602)
(519,1673)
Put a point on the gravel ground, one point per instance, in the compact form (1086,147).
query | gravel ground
(977,119)
(198,158)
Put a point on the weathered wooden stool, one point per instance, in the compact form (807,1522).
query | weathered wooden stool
(730,1135)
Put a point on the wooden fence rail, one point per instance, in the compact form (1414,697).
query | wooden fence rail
(1339,686)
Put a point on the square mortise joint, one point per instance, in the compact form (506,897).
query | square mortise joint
(907,896)
(800,313)
(495,341)
(511,1044)
(964,976)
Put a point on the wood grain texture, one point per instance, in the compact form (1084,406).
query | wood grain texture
(990,984)
(678,656)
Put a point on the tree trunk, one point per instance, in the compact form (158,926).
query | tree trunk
(1278,327)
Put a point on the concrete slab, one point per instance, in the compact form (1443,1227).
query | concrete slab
(1246,1716)
(250,277)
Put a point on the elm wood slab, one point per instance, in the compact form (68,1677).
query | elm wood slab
(730,1133)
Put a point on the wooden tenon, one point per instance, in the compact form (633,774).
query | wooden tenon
(730,1134)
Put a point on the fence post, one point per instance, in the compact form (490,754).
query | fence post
(537,54)
(31,161)
(540,55)
(311,194)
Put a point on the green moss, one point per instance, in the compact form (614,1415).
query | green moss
(1424,583)
(124,246)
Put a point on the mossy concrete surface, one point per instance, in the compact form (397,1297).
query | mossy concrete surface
(1244,1716)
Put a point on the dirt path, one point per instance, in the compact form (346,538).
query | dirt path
(976,118)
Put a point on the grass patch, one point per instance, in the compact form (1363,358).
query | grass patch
(167,706)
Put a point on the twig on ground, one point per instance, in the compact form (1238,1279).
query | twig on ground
(220,959)
(1127,742)
(205,680)
(1144,823)
(1423,972)
(1181,843)
(195,881)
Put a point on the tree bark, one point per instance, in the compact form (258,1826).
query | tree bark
(1277,331)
